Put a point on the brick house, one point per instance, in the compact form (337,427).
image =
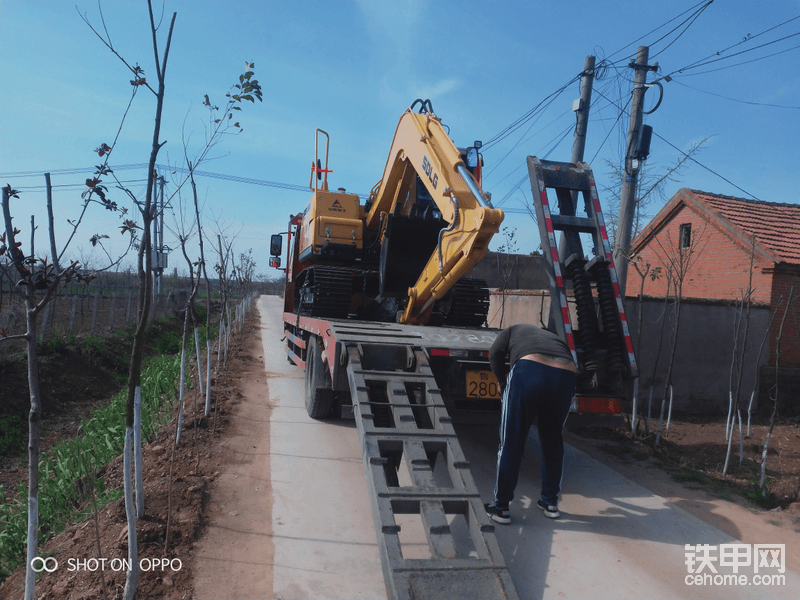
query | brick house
(719,231)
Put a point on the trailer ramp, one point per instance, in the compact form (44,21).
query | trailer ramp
(402,421)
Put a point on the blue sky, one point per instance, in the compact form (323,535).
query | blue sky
(352,68)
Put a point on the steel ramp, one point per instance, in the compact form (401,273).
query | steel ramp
(402,419)
(571,181)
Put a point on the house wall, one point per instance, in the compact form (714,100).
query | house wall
(702,371)
(512,271)
(518,306)
(786,279)
(719,269)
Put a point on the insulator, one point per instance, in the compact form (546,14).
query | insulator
(588,330)
(610,317)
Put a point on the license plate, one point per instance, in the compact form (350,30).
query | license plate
(482,384)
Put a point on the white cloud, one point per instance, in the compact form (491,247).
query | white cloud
(393,24)
(437,89)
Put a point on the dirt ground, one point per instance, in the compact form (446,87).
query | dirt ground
(196,466)
(696,446)
(685,470)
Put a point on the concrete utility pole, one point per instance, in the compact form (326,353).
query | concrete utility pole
(571,240)
(627,201)
(582,110)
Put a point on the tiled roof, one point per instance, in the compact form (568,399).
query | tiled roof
(776,226)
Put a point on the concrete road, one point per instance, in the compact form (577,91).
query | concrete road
(614,540)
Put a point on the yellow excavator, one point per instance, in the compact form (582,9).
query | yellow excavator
(403,254)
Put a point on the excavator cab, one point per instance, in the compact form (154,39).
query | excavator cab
(332,226)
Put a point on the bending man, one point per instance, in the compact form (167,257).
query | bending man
(539,386)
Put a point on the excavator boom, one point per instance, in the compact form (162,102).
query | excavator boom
(422,151)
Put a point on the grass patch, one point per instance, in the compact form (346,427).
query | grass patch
(13,433)
(615,450)
(761,496)
(71,463)
(690,476)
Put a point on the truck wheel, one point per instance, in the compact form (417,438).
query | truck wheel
(320,402)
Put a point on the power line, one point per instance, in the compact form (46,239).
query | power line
(705,167)
(691,21)
(622,112)
(741,63)
(70,171)
(701,164)
(656,29)
(736,99)
(523,139)
(519,122)
(245,180)
(710,60)
(36,188)
(745,40)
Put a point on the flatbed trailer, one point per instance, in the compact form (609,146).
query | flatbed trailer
(386,372)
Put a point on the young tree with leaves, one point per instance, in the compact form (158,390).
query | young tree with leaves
(35,275)
(42,275)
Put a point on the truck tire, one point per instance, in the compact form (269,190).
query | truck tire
(320,401)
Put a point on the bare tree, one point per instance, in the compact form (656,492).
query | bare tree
(506,265)
(144,268)
(679,259)
(644,270)
(246,89)
(747,296)
(652,184)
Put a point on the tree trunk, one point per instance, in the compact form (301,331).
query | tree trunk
(132,575)
(34,417)
(183,376)
(777,397)
(53,252)
(137,448)
(658,356)
(144,267)
(199,361)
(668,384)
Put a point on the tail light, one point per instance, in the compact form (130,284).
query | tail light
(598,405)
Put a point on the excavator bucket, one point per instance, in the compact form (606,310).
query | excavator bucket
(407,246)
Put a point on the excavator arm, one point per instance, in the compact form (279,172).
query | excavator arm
(423,152)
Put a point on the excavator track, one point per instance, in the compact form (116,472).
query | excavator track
(326,292)
(468,305)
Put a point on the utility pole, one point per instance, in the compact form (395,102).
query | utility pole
(581,106)
(582,110)
(627,201)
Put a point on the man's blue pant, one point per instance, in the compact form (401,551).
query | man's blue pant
(533,391)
